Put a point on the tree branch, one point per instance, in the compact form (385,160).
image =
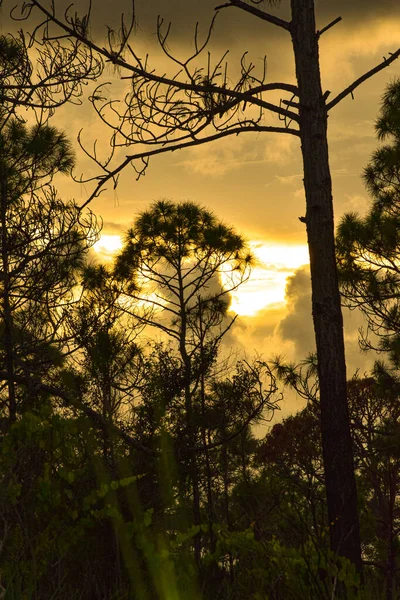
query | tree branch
(235,433)
(150,76)
(143,155)
(258,13)
(349,90)
(78,404)
(107,426)
(334,22)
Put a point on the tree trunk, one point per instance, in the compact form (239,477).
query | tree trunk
(205,438)
(328,323)
(225,470)
(7,317)
(391,536)
(191,428)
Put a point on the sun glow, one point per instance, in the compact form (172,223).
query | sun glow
(266,285)
(108,245)
(265,288)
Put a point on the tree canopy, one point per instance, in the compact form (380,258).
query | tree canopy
(368,246)
(133,465)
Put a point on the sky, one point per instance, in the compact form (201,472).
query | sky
(253,182)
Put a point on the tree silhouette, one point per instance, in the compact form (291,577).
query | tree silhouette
(292,448)
(55,75)
(199,105)
(368,247)
(172,260)
(43,242)
(374,409)
(108,359)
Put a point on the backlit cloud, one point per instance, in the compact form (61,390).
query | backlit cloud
(297,326)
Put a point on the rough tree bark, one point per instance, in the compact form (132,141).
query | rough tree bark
(326,307)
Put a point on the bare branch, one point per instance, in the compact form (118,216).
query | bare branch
(331,24)
(249,96)
(258,13)
(291,103)
(349,90)
(129,159)
(150,76)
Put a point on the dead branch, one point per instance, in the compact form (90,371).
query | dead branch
(103,179)
(331,24)
(257,12)
(167,113)
(350,89)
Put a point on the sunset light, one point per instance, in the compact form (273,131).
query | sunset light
(166,167)
(108,245)
(267,282)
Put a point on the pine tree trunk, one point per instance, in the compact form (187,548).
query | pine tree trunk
(191,428)
(205,437)
(391,534)
(328,323)
(7,316)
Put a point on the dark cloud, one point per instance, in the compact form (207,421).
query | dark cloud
(233,25)
(184,15)
(297,325)
(356,10)
(254,332)
(111,228)
(237,23)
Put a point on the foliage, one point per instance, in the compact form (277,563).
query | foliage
(368,247)
(132,469)
(109,480)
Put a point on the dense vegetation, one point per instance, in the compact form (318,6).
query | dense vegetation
(129,462)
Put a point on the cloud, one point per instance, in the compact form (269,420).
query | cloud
(356,203)
(109,227)
(289,179)
(224,156)
(347,51)
(184,15)
(279,150)
(350,132)
(221,157)
(297,326)
(257,335)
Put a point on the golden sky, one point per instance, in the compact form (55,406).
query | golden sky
(253,182)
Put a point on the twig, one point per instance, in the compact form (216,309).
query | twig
(337,20)
(236,131)
(258,13)
(349,90)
